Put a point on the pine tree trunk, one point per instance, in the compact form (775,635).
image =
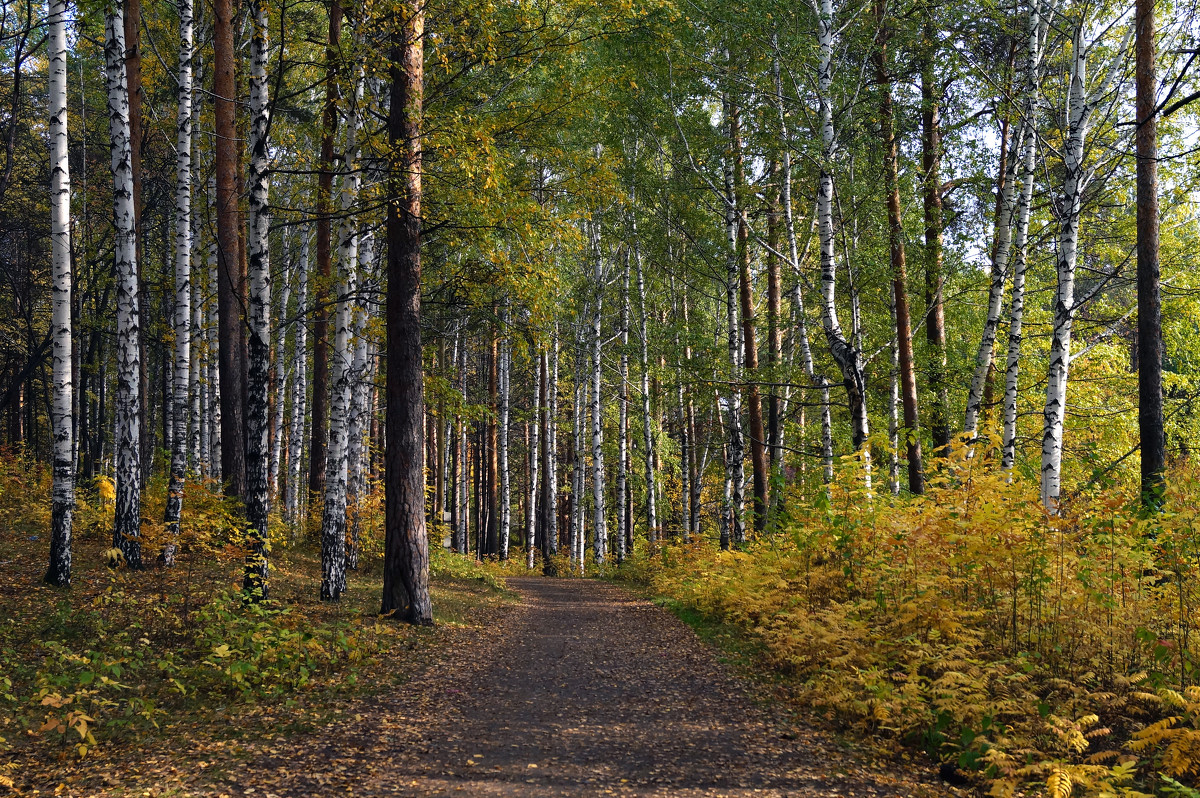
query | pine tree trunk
(183,282)
(935,315)
(216,449)
(320,386)
(230,286)
(62,501)
(1149,340)
(126,435)
(258,499)
(749,344)
(406,546)
(891,179)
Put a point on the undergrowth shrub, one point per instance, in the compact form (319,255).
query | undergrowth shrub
(1054,653)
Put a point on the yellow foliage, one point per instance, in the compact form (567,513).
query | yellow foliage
(971,623)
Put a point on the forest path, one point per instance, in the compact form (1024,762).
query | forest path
(587,690)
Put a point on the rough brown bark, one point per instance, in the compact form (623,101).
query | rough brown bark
(774,331)
(320,389)
(908,382)
(229,256)
(406,546)
(758,449)
(935,318)
(1150,342)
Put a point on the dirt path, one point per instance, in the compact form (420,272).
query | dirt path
(588,691)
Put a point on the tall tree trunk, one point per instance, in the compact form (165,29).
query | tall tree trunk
(360,385)
(733,526)
(600,532)
(505,530)
(278,448)
(624,533)
(215,421)
(258,498)
(183,282)
(552,445)
(1001,250)
(894,405)
(406,546)
(535,460)
(575,506)
(935,314)
(774,329)
(1079,106)
(131,22)
(801,327)
(847,356)
(196,385)
(1149,331)
(127,522)
(333,518)
(1026,152)
(300,390)
(891,179)
(320,387)
(62,500)
(749,370)
(230,288)
(648,439)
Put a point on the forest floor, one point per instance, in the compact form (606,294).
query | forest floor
(578,689)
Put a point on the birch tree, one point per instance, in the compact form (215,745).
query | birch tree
(183,282)
(1038,22)
(300,389)
(503,412)
(127,429)
(845,353)
(258,499)
(62,501)
(1079,106)
(600,527)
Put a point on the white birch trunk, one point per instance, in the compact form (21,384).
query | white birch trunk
(296,425)
(1078,109)
(281,373)
(535,457)
(62,500)
(258,500)
(183,284)
(552,444)
(600,532)
(1019,256)
(127,432)
(576,502)
(360,385)
(734,524)
(505,532)
(195,382)
(648,449)
(623,519)
(333,520)
(846,354)
(894,407)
